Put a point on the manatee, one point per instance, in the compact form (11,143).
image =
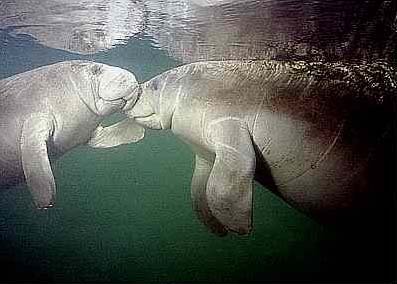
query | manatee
(313,133)
(48,111)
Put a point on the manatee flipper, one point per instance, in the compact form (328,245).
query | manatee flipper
(230,184)
(200,177)
(122,132)
(36,132)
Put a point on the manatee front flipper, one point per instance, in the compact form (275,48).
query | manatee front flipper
(122,132)
(229,187)
(201,174)
(36,131)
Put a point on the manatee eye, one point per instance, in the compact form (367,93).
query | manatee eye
(96,70)
(155,85)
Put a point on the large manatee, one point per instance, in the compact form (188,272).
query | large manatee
(313,133)
(50,110)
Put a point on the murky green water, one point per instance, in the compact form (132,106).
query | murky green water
(124,214)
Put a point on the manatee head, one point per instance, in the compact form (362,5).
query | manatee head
(103,88)
(155,106)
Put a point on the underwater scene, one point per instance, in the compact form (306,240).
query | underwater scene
(201,141)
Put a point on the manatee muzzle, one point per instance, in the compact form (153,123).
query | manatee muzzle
(120,99)
(131,97)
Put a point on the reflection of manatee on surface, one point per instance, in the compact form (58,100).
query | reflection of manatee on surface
(50,110)
(213,29)
(206,3)
(74,25)
(315,134)
(192,30)
(255,29)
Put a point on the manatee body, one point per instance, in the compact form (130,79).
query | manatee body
(312,133)
(50,110)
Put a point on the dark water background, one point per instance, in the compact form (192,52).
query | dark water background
(124,214)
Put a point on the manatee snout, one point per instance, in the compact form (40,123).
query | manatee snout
(131,97)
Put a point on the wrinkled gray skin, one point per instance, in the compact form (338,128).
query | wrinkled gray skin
(309,137)
(50,110)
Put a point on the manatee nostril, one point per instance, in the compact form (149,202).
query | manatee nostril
(155,84)
(132,97)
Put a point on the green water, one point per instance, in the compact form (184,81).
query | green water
(124,214)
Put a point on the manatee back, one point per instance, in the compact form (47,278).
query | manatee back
(21,85)
(11,86)
(27,93)
(319,139)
